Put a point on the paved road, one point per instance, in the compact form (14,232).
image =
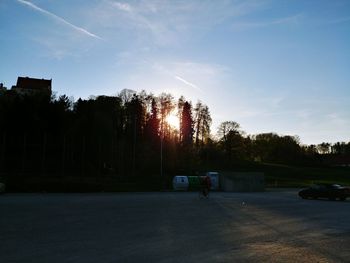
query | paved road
(173,227)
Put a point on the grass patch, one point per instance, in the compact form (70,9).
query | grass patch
(277,175)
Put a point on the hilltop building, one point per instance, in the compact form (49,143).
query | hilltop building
(32,86)
(2,88)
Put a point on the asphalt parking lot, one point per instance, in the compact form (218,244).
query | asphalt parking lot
(272,226)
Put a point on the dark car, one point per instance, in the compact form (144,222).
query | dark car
(330,191)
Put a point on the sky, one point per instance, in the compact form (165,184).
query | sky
(270,65)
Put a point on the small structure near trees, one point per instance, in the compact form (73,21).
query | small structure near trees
(242,181)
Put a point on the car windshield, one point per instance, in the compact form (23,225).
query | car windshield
(336,186)
(316,187)
(325,186)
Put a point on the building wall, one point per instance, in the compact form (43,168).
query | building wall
(242,182)
(31,86)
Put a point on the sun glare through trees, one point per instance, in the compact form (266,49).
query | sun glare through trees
(173,120)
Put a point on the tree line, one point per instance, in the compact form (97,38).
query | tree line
(128,137)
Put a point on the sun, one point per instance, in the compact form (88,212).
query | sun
(173,120)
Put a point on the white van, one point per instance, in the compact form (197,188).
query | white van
(180,182)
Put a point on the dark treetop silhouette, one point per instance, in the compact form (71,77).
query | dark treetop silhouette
(53,143)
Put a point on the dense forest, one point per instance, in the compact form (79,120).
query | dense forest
(127,140)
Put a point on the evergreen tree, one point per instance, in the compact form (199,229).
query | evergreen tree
(186,129)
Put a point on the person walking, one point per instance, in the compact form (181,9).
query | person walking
(206,185)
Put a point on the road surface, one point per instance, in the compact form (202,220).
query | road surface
(273,226)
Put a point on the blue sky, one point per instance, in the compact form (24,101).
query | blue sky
(272,66)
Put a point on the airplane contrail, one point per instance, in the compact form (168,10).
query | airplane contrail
(188,83)
(58,18)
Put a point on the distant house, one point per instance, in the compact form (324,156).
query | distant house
(2,88)
(32,86)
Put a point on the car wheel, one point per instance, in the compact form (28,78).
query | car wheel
(342,198)
(331,198)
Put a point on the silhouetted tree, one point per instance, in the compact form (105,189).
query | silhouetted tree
(324,148)
(166,105)
(186,129)
(119,136)
(202,124)
(270,147)
(339,148)
(153,122)
(231,139)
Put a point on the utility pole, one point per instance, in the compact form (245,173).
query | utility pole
(161,154)
(24,152)
(3,163)
(134,148)
(63,155)
(161,150)
(83,148)
(43,158)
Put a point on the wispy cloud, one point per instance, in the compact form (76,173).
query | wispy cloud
(336,119)
(338,21)
(59,19)
(171,23)
(122,6)
(290,20)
